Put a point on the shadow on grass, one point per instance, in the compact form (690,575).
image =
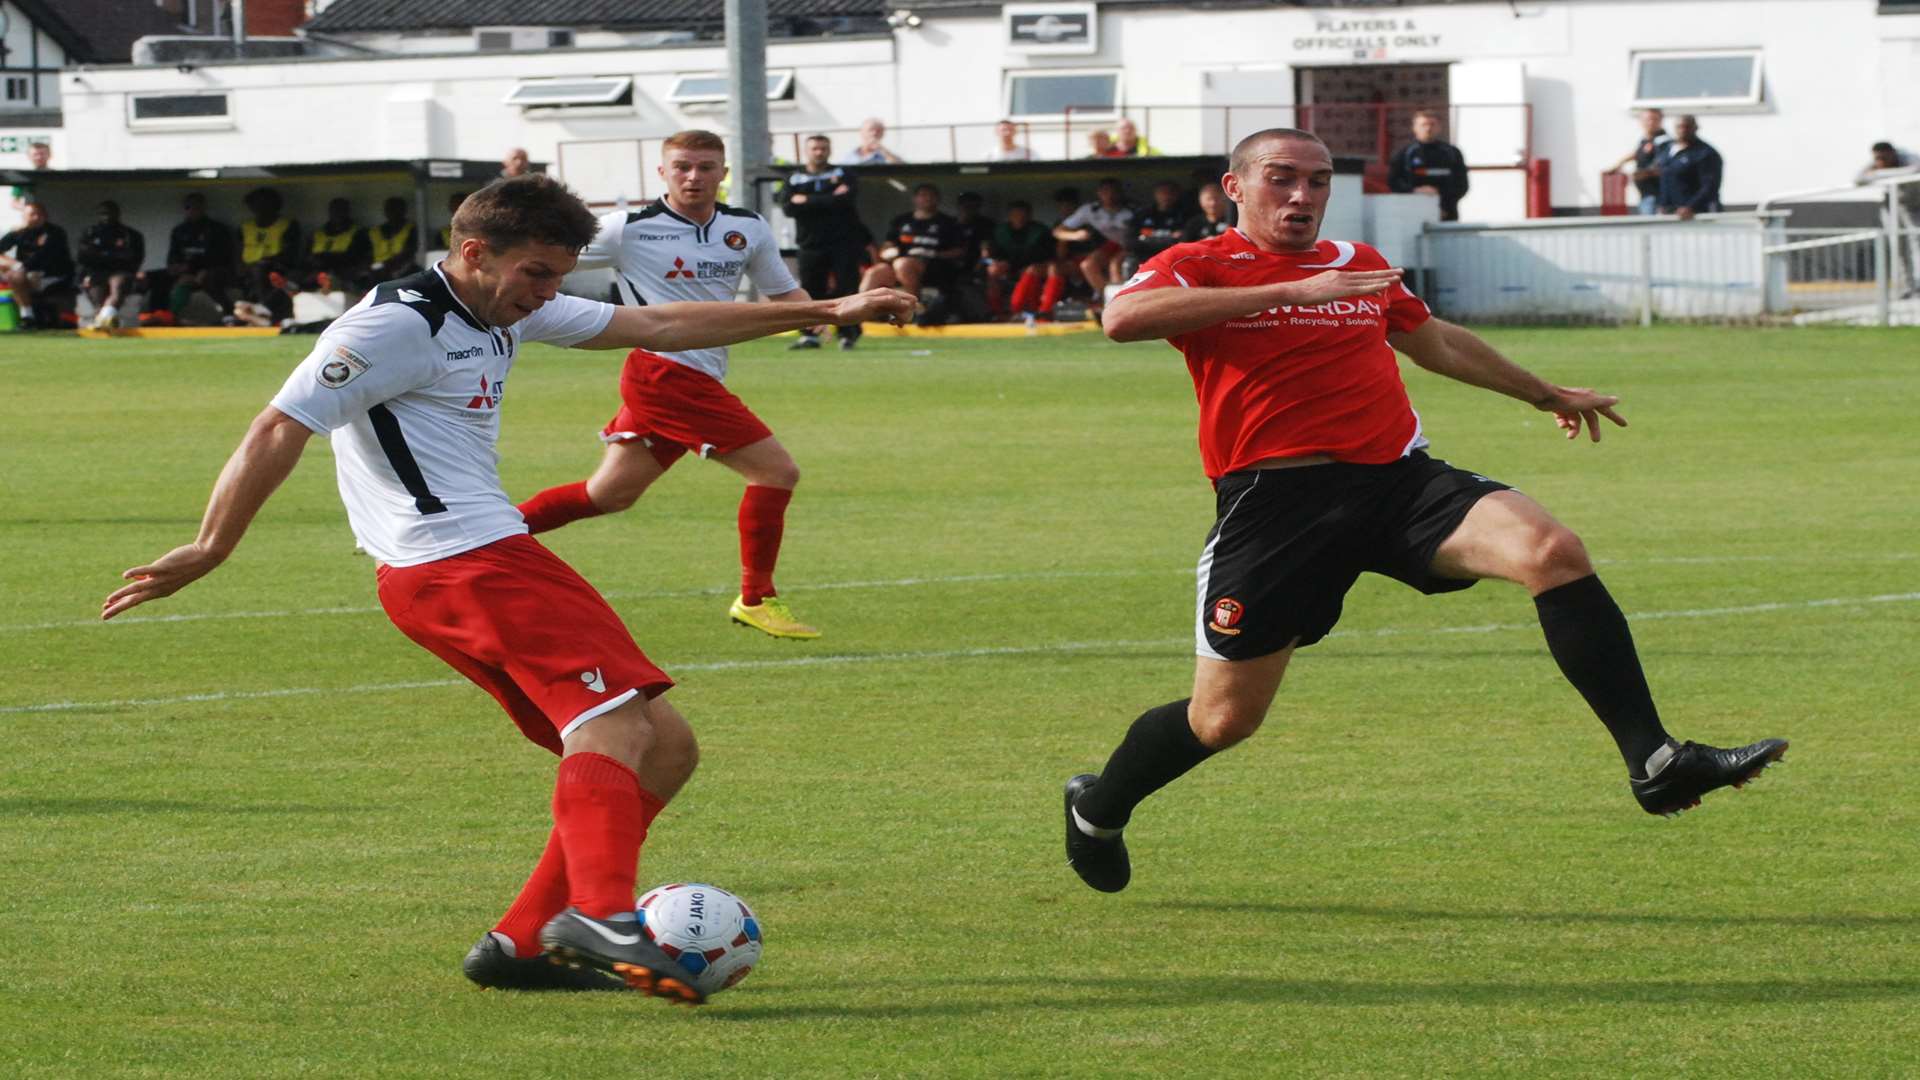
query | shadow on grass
(1607,918)
(61,806)
(986,996)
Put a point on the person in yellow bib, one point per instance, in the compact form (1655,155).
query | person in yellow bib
(338,254)
(269,252)
(394,244)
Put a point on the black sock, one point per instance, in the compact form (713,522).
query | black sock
(1589,639)
(1158,749)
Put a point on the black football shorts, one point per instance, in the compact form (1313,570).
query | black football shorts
(1288,543)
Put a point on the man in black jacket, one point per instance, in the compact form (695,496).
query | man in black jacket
(819,197)
(1689,173)
(110,255)
(1431,165)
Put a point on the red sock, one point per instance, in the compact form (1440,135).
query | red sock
(1026,292)
(558,506)
(1056,285)
(763,519)
(600,815)
(541,898)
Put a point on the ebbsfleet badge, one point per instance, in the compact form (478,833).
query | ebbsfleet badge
(342,367)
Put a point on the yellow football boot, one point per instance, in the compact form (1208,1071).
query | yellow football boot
(771,616)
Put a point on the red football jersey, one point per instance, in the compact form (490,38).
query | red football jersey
(1292,381)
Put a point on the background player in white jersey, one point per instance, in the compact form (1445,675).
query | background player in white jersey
(409,385)
(688,245)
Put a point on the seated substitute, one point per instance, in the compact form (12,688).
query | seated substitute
(34,259)
(1321,474)
(200,259)
(110,257)
(921,248)
(393,244)
(1107,220)
(338,255)
(1216,216)
(269,253)
(1021,251)
(1159,228)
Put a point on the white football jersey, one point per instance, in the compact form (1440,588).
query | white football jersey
(408,384)
(659,257)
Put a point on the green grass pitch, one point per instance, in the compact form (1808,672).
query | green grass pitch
(251,831)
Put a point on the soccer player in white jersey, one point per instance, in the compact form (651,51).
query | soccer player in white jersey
(688,245)
(408,385)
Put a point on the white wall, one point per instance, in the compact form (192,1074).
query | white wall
(1838,77)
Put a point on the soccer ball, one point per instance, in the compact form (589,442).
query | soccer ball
(709,931)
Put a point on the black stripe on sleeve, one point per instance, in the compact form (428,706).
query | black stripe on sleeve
(387,428)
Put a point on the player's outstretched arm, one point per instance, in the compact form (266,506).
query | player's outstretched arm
(1151,313)
(269,452)
(705,325)
(1459,353)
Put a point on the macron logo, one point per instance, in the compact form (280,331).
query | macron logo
(593,680)
(409,296)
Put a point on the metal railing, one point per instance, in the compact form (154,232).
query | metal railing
(1607,270)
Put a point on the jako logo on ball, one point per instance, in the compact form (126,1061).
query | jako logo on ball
(708,931)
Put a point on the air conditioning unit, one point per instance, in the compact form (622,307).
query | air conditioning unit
(521,38)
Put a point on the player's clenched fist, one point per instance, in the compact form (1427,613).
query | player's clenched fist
(874,305)
(1340,284)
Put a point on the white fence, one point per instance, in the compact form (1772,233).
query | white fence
(1603,270)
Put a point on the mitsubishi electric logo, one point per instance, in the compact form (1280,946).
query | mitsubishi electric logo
(679,269)
(489,395)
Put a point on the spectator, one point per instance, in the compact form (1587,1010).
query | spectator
(1217,215)
(1008,149)
(393,244)
(1063,274)
(516,163)
(871,151)
(1431,166)
(976,229)
(820,197)
(339,253)
(1645,160)
(1108,221)
(1128,143)
(1022,251)
(1890,163)
(269,252)
(35,259)
(1159,228)
(40,155)
(453,207)
(110,256)
(1101,143)
(200,258)
(921,248)
(1689,173)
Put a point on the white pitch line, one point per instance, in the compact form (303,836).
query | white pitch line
(980,652)
(885,583)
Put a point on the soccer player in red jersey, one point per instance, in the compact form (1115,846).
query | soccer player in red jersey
(1320,474)
(408,386)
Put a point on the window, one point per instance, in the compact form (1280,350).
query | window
(1722,77)
(1053,93)
(178,111)
(711,88)
(17,88)
(594,90)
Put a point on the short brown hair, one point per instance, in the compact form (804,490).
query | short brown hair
(1244,149)
(694,139)
(531,209)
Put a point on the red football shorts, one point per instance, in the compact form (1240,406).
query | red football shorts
(1109,249)
(673,409)
(524,627)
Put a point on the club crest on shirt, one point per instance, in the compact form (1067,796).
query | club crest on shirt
(341,368)
(735,240)
(1226,616)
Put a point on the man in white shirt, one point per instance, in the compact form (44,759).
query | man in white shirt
(1005,149)
(871,151)
(1108,221)
(688,245)
(408,385)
